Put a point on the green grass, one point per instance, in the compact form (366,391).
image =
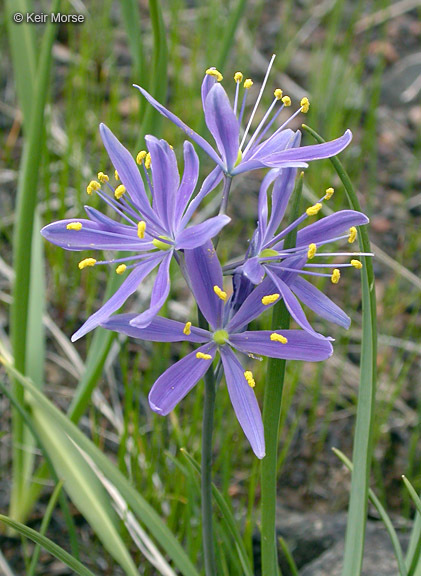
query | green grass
(91,83)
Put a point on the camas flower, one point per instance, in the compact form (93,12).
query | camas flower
(226,336)
(267,257)
(154,232)
(235,154)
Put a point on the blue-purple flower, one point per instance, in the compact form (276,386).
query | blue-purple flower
(154,231)
(266,256)
(227,336)
(238,152)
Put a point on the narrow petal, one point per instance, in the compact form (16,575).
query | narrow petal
(300,345)
(317,301)
(330,227)
(92,237)
(188,182)
(281,140)
(210,183)
(176,382)
(263,208)
(281,194)
(244,402)
(199,234)
(223,125)
(107,223)
(128,172)
(293,305)
(205,272)
(190,133)
(253,270)
(159,330)
(165,178)
(209,82)
(308,153)
(160,291)
(252,306)
(128,287)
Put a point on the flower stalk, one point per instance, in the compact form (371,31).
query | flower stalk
(206,480)
(271,416)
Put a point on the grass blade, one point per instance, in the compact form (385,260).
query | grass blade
(414,496)
(22,47)
(49,545)
(82,485)
(413,554)
(362,452)
(414,551)
(227,516)
(383,515)
(144,512)
(26,204)
(229,34)
(44,525)
(158,79)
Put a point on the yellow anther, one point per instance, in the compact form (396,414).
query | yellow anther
(74,226)
(141,227)
(87,262)
(352,234)
(202,356)
(102,177)
(248,83)
(215,73)
(147,161)
(357,264)
(335,276)
(119,191)
(278,93)
(269,299)
(93,185)
(238,77)
(187,329)
(220,293)
(305,105)
(121,269)
(286,100)
(313,210)
(312,249)
(116,176)
(141,156)
(329,193)
(278,338)
(249,377)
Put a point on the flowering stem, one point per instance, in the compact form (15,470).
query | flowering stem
(271,416)
(207,430)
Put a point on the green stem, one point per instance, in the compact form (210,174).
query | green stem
(363,437)
(271,417)
(206,481)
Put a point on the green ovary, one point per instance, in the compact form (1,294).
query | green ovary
(220,336)
(162,245)
(268,252)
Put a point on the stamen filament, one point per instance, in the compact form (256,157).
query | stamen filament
(259,97)
(261,124)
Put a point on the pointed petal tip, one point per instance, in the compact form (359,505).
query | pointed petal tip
(156,408)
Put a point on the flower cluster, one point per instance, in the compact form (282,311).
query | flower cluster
(153,209)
